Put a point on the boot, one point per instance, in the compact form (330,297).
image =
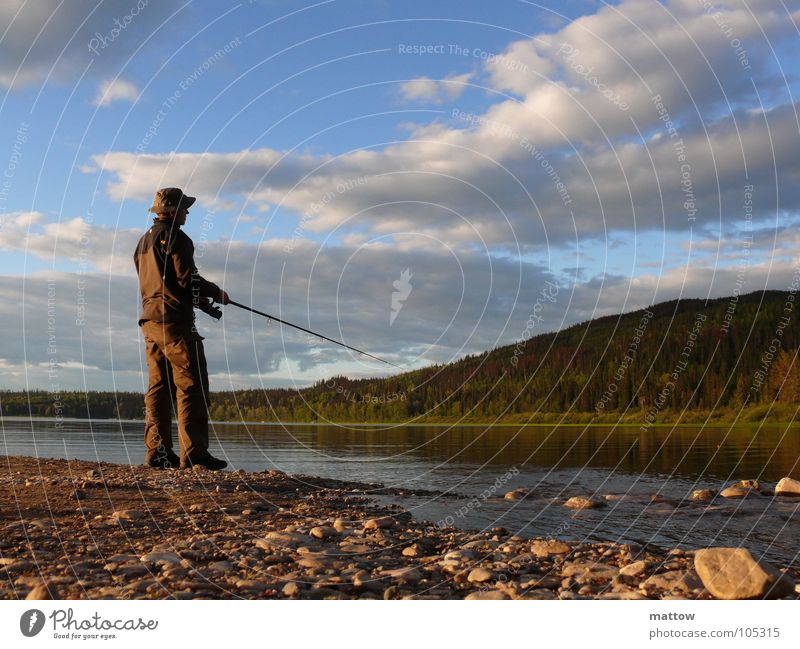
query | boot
(207,460)
(162,459)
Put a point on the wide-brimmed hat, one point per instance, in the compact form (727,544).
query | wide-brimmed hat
(170,199)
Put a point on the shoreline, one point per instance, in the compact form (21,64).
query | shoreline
(96,530)
(377,424)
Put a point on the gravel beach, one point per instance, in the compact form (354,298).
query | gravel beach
(89,530)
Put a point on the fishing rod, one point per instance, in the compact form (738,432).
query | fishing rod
(313,333)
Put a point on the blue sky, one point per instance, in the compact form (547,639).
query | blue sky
(332,145)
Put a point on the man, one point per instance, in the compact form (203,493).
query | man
(171,288)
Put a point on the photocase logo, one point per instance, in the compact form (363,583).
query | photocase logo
(31,622)
(400,294)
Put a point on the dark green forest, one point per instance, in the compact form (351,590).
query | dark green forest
(683,360)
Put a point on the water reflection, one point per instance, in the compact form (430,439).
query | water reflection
(554,463)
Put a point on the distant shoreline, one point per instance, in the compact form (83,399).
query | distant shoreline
(452,424)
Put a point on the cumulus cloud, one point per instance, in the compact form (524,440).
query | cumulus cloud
(112,90)
(527,195)
(435,91)
(565,161)
(74,240)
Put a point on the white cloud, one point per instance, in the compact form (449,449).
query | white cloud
(450,187)
(117,89)
(75,240)
(433,90)
(491,179)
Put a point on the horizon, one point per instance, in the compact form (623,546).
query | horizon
(323,380)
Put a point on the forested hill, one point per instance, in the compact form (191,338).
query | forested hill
(684,356)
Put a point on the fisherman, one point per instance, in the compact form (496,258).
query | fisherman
(171,289)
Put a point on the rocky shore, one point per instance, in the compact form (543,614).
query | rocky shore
(95,530)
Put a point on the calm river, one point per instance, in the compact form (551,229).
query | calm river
(472,467)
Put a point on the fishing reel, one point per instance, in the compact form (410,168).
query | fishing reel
(206,305)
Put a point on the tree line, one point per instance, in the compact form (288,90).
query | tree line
(718,357)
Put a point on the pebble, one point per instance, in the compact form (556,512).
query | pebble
(323,532)
(291,589)
(540,581)
(405,575)
(251,584)
(160,557)
(582,502)
(131,572)
(703,495)
(382,523)
(127,515)
(635,569)
(488,595)
(17,567)
(315,562)
(282,540)
(548,548)
(41,592)
(480,575)
(738,491)
(589,570)
(630,594)
(516,494)
(683,581)
(538,593)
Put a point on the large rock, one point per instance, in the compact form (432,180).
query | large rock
(733,573)
(788,487)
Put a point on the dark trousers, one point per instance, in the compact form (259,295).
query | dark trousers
(177,378)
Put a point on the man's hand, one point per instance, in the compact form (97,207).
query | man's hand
(222,298)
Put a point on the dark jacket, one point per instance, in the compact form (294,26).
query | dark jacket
(168,279)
